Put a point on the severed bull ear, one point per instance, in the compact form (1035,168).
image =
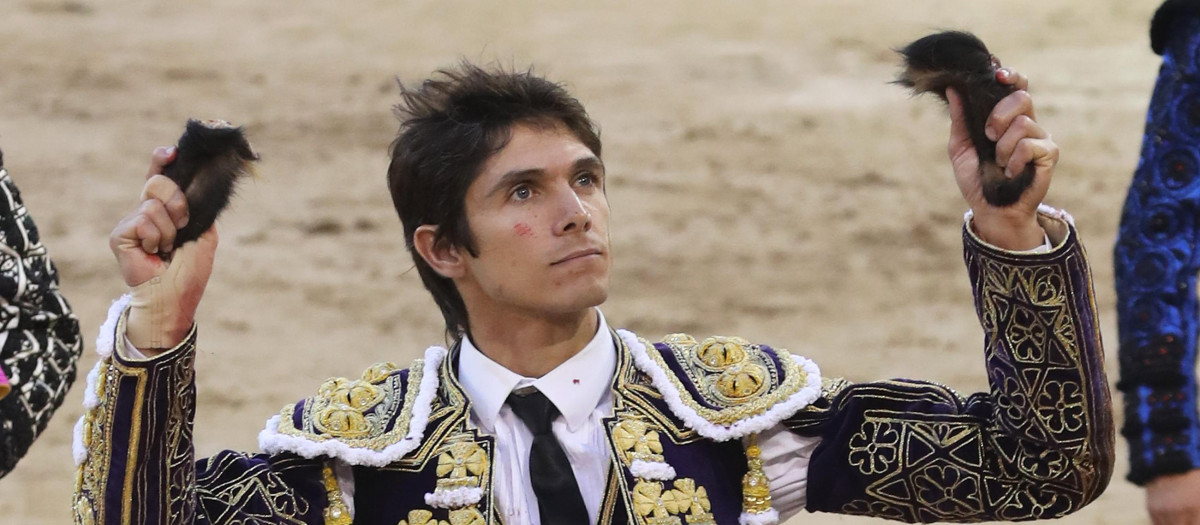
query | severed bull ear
(212,156)
(959,60)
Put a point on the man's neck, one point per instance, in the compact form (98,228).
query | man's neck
(533,346)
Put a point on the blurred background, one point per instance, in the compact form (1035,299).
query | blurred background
(766,180)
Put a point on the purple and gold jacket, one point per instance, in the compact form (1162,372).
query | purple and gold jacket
(682,436)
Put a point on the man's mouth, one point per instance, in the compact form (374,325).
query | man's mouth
(579,254)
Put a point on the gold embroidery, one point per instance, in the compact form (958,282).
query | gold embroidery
(345,404)
(356,412)
(1033,458)
(730,373)
(92,474)
(379,372)
(693,499)
(655,505)
(421,517)
(336,513)
(756,490)
(636,441)
(467,516)
(462,464)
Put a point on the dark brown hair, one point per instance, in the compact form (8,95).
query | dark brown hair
(450,125)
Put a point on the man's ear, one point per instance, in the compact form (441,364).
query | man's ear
(441,255)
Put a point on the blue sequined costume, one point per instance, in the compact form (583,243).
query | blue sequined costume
(1156,261)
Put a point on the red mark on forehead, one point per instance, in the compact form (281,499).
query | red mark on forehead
(522,229)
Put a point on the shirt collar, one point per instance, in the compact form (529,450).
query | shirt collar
(576,387)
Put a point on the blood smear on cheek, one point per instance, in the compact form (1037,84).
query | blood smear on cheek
(523,229)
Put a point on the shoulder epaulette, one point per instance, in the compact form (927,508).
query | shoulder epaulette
(725,387)
(372,421)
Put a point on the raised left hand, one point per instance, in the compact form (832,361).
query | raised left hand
(1020,140)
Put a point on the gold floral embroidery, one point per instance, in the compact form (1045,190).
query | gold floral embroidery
(467,516)
(344,405)
(356,412)
(461,464)
(636,441)
(1034,457)
(693,499)
(731,374)
(421,517)
(655,505)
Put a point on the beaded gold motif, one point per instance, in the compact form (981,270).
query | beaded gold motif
(756,489)
(421,517)
(336,513)
(457,517)
(462,464)
(656,505)
(636,441)
(357,411)
(731,374)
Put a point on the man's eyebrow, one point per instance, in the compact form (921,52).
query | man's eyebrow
(510,178)
(590,161)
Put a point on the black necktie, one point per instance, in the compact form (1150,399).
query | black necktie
(559,501)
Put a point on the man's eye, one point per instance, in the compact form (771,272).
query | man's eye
(522,193)
(585,179)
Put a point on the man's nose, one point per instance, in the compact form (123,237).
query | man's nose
(575,215)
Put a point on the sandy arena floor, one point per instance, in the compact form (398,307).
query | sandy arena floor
(766,180)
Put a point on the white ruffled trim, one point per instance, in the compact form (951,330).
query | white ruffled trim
(1044,209)
(271,441)
(454,498)
(78,451)
(716,432)
(655,470)
(105,346)
(770,517)
(105,341)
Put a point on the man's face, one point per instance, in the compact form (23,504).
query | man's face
(539,217)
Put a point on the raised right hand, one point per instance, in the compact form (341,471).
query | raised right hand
(166,289)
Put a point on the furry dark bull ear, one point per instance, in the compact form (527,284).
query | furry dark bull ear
(959,60)
(212,155)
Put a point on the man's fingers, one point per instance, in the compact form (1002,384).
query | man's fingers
(161,188)
(1021,128)
(1042,152)
(1009,108)
(162,156)
(958,123)
(147,234)
(156,213)
(1013,78)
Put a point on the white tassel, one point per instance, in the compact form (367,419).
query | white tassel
(770,517)
(655,470)
(272,441)
(454,498)
(751,425)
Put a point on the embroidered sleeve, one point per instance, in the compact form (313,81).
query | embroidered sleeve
(1038,445)
(1155,262)
(41,343)
(136,460)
